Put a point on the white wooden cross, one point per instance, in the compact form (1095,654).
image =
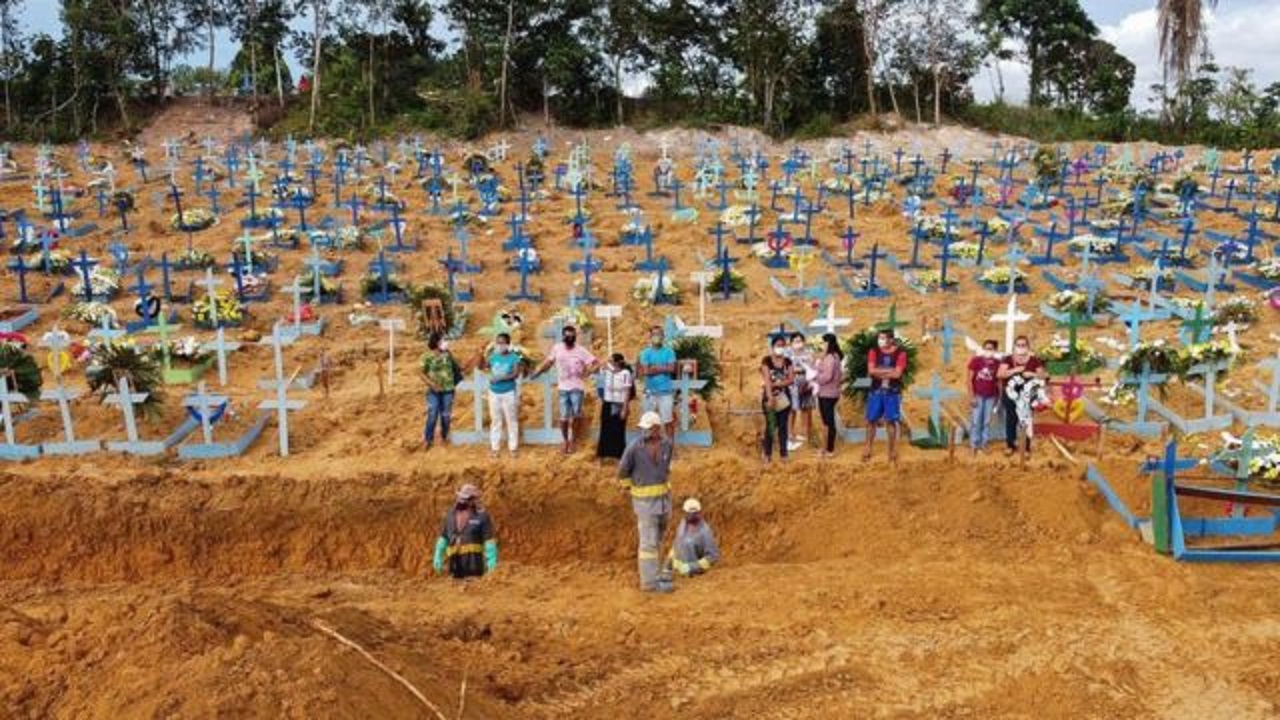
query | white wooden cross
(210,284)
(126,400)
(204,403)
(296,291)
(702,277)
(1272,365)
(1010,317)
(829,323)
(391,325)
(608,313)
(220,348)
(7,400)
(281,402)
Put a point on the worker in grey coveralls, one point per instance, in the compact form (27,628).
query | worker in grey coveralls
(694,550)
(644,471)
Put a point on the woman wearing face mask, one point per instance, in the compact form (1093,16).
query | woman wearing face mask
(618,388)
(1020,362)
(830,373)
(777,376)
(441,372)
(504,368)
(802,362)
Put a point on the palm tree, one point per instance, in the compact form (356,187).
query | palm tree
(1182,35)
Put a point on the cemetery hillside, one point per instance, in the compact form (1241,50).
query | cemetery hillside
(927,407)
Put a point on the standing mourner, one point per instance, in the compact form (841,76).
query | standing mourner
(441,372)
(829,382)
(504,366)
(657,365)
(467,543)
(802,391)
(645,471)
(1021,363)
(984,394)
(694,550)
(617,390)
(573,363)
(886,364)
(776,378)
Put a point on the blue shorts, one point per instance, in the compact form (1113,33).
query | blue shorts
(570,404)
(884,407)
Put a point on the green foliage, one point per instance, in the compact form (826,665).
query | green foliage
(857,348)
(26,374)
(111,360)
(703,350)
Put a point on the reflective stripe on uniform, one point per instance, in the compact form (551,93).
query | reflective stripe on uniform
(468,549)
(647,555)
(704,563)
(650,491)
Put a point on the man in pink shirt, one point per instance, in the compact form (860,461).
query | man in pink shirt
(573,363)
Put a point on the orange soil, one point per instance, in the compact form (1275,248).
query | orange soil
(945,588)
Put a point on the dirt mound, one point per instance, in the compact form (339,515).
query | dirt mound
(194,119)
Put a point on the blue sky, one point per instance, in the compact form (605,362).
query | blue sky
(1241,33)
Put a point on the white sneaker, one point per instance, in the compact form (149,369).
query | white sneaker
(794,445)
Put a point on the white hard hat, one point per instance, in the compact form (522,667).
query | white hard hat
(650,420)
(692,505)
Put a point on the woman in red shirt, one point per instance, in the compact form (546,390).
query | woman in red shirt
(1020,362)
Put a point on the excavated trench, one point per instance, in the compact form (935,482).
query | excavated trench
(169,525)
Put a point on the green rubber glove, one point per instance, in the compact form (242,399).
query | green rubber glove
(437,561)
(490,555)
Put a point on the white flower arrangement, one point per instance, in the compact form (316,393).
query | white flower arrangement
(1269,268)
(645,290)
(999,275)
(997,225)
(734,216)
(762,250)
(1264,461)
(103,282)
(964,250)
(1097,245)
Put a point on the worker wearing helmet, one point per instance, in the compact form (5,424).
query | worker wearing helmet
(644,470)
(694,550)
(467,542)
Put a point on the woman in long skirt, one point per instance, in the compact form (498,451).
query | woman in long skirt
(617,387)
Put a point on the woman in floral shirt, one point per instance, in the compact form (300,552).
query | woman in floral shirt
(441,372)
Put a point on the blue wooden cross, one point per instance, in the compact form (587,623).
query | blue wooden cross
(397,225)
(848,240)
(451,268)
(650,263)
(383,270)
(872,289)
(945,257)
(1051,237)
(937,395)
(1143,382)
(526,266)
(725,263)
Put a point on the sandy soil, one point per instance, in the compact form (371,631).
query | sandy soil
(966,587)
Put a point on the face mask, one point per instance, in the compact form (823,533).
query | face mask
(779,351)
(502,349)
(656,340)
(570,340)
(693,519)
(798,347)
(444,345)
(884,344)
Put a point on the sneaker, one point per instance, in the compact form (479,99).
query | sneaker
(660,588)
(794,445)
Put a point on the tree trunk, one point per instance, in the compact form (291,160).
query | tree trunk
(617,85)
(8,68)
(253,51)
(1033,83)
(869,54)
(372,116)
(937,95)
(275,51)
(999,82)
(893,98)
(506,60)
(546,103)
(209,79)
(318,8)
(915,94)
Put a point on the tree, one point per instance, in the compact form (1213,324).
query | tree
(874,14)
(619,24)
(8,39)
(208,16)
(1180,24)
(768,40)
(1044,27)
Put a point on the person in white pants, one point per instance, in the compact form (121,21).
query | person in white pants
(504,368)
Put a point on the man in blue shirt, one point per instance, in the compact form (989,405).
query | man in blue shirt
(504,366)
(657,365)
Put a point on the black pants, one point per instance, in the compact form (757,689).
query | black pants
(827,409)
(1011,424)
(780,421)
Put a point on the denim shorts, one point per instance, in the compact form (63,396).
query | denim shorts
(570,404)
(884,406)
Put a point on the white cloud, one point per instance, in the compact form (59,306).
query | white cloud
(1240,35)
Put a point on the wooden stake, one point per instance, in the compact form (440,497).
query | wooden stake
(378,664)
